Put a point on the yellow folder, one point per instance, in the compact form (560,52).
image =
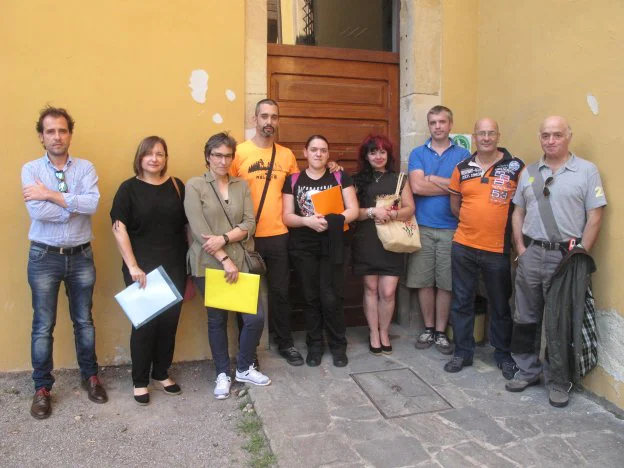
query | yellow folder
(241,296)
(329,202)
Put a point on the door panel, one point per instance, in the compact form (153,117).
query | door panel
(343,94)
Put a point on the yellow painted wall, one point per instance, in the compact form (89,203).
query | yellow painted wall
(459,61)
(540,58)
(122,69)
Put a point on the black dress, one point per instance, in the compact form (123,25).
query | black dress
(369,256)
(154,219)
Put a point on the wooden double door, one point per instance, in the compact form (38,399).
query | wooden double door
(343,94)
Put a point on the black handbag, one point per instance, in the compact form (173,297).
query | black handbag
(254,260)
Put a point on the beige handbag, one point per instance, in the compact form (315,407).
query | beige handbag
(397,236)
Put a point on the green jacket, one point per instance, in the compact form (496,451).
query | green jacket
(205,216)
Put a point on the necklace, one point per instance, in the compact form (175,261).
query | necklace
(378,178)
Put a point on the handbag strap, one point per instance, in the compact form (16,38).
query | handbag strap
(399,184)
(231,225)
(543,204)
(266,185)
(175,184)
(221,203)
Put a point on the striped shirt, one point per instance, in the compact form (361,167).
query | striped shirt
(53,224)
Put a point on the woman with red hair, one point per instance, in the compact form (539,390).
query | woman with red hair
(380,268)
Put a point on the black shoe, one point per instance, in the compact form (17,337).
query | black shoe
(374,351)
(386,349)
(292,356)
(457,363)
(142,400)
(340,359)
(509,369)
(314,359)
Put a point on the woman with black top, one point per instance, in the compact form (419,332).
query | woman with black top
(316,250)
(149,227)
(379,267)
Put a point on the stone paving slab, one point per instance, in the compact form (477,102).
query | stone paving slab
(400,392)
(320,416)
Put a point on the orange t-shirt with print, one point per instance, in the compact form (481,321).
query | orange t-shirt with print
(252,164)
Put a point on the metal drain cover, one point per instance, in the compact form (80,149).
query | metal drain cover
(400,392)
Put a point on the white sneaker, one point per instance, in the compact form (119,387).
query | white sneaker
(252,376)
(222,389)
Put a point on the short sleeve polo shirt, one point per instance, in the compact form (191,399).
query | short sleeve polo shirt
(435,211)
(485,213)
(575,189)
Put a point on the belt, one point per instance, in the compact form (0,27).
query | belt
(562,245)
(62,250)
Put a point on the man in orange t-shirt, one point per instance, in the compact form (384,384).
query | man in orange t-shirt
(482,188)
(252,161)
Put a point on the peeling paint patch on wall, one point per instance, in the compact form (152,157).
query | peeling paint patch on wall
(231,95)
(611,343)
(198,83)
(217,118)
(592,102)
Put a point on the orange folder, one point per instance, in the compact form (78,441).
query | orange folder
(329,201)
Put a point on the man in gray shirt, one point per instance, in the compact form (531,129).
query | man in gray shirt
(61,195)
(573,189)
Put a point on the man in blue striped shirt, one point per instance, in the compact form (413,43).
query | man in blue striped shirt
(61,194)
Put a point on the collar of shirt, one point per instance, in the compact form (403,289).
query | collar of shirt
(65,167)
(428,145)
(571,164)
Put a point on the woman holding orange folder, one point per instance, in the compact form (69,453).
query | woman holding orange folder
(221,218)
(316,248)
(380,268)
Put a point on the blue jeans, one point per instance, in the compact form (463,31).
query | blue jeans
(46,270)
(217,335)
(496,269)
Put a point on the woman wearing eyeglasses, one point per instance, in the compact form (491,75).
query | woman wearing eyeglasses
(149,228)
(221,220)
(316,250)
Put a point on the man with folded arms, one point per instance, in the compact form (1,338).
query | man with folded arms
(482,188)
(573,189)
(61,195)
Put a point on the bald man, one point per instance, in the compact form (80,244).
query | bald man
(558,204)
(481,189)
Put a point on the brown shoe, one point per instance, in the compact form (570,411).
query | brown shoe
(94,389)
(41,406)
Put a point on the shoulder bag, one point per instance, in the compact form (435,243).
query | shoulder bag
(397,236)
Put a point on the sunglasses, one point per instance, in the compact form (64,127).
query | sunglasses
(547,182)
(62,185)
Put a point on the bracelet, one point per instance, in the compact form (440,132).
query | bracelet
(226,239)
(369,213)
(224,259)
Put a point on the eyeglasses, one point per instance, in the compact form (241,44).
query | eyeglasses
(222,156)
(547,182)
(484,134)
(62,185)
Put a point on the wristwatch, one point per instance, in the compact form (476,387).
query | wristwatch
(226,239)
(224,259)
(369,213)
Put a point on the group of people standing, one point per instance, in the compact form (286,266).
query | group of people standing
(253,196)
(473,211)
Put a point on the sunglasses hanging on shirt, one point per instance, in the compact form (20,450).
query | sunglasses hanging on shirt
(60,177)
(547,182)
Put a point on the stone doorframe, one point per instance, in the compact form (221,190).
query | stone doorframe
(420,87)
